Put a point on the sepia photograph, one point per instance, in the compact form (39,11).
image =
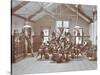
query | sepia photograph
(49,37)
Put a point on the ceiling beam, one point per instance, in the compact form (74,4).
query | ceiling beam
(19,6)
(53,15)
(19,16)
(24,18)
(80,13)
(39,11)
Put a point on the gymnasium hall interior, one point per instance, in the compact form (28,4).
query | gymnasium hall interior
(53,37)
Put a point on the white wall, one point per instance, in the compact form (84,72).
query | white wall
(93,32)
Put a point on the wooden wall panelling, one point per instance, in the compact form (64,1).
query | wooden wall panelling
(18,48)
(36,42)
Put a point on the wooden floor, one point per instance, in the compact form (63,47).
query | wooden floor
(31,65)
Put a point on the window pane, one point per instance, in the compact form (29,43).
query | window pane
(46,39)
(46,32)
(65,24)
(80,30)
(58,23)
(66,30)
(77,40)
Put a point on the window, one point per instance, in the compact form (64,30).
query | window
(64,24)
(46,35)
(78,34)
(58,24)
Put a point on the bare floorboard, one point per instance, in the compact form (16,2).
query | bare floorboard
(30,65)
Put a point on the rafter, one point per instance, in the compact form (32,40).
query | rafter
(50,13)
(53,15)
(24,18)
(19,6)
(80,13)
(41,9)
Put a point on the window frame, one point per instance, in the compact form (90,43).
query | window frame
(46,35)
(63,26)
